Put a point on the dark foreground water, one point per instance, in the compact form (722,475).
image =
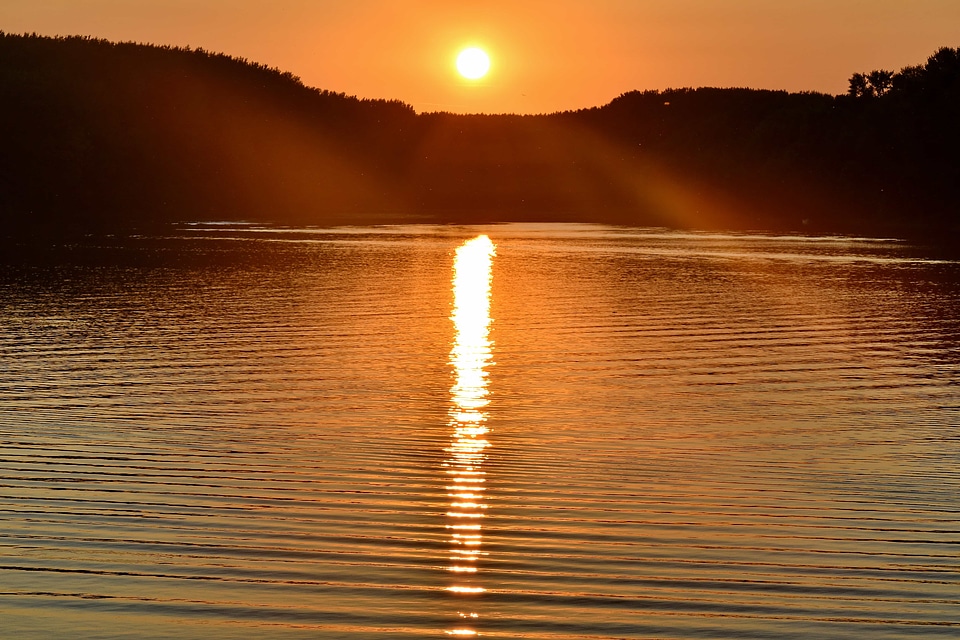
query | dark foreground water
(582,432)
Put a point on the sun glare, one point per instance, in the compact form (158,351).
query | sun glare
(473,63)
(471,358)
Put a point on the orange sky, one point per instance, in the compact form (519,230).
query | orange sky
(547,55)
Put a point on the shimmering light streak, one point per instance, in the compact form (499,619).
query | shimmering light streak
(470,357)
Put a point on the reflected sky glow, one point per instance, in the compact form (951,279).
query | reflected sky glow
(470,357)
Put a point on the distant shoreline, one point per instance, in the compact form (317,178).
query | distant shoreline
(104,137)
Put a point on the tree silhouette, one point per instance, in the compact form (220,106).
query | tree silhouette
(859,86)
(101,136)
(871,85)
(880,81)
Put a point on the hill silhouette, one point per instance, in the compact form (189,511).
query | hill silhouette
(102,136)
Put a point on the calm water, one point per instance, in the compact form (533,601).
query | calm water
(562,432)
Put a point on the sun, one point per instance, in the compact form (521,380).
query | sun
(473,63)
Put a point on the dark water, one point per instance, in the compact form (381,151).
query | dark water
(254,433)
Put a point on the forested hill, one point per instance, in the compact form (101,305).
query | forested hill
(100,136)
(97,134)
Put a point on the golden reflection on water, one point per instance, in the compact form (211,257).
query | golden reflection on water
(470,357)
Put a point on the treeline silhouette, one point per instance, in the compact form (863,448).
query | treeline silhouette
(100,136)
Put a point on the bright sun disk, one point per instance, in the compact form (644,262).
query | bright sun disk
(473,63)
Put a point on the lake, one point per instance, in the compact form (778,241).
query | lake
(511,431)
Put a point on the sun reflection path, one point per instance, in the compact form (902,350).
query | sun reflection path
(470,357)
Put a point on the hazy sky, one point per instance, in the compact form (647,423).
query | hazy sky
(547,55)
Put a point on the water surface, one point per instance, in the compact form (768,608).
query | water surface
(563,432)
